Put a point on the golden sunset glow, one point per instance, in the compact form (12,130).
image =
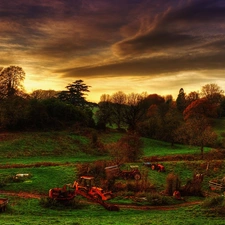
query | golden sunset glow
(136,46)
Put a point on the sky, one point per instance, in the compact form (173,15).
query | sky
(134,46)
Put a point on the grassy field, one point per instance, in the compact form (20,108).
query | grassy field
(30,212)
(58,154)
(62,147)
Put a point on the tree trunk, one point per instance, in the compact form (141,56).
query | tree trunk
(202,150)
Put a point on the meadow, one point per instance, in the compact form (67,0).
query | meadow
(51,158)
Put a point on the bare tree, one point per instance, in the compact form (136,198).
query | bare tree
(43,94)
(119,100)
(11,79)
(212,92)
(134,110)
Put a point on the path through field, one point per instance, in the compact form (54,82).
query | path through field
(125,206)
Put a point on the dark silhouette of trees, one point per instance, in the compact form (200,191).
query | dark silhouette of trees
(212,92)
(191,97)
(170,122)
(11,79)
(119,100)
(43,94)
(13,113)
(55,114)
(104,112)
(75,93)
(134,111)
(152,99)
(181,101)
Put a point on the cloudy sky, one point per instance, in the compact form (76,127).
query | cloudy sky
(153,46)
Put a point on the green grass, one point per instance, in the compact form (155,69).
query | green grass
(81,157)
(65,149)
(42,179)
(160,148)
(28,211)
(219,127)
(40,143)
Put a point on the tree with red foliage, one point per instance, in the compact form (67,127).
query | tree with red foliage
(200,108)
(196,129)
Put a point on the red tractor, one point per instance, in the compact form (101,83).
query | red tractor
(85,187)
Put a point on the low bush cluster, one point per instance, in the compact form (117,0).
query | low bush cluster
(157,199)
(215,205)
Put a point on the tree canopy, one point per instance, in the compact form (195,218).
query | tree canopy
(75,93)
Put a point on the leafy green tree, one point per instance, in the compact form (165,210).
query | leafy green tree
(75,93)
(11,79)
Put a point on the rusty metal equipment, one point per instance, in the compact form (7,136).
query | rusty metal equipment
(115,171)
(84,187)
(3,204)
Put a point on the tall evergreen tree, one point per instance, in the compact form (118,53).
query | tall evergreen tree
(75,93)
(181,101)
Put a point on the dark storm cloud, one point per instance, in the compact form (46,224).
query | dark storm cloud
(107,38)
(177,29)
(150,67)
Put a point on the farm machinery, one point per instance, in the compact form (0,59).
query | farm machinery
(3,203)
(158,167)
(115,171)
(86,188)
(217,184)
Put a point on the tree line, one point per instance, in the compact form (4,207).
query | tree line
(41,110)
(186,120)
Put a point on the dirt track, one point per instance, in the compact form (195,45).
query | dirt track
(121,206)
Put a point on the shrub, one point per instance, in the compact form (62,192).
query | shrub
(215,205)
(157,199)
(214,201)
(127,149)
(95,169)
(173,183)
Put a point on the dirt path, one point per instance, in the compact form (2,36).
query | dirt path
(23,194)
(164,208)
(121,206)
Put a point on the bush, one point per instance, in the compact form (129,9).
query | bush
(214,201)
(173,183)
(95,169)
(215,205)
(157,199)
(127,149)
